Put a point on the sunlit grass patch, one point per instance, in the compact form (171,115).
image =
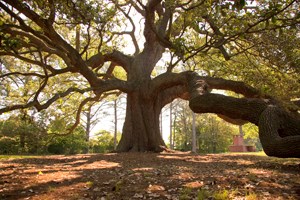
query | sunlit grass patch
(185,193)
(6,157)
(217,195)
(259,153)
(221,195)
(203,194)
(251,196)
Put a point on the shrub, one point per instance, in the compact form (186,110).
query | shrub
(56,148)
(8,145)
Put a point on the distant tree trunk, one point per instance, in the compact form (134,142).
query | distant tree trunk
(194,143)
(161,123)
(185,131)
(88,129)
(116,123)
(241,130)
(215,135)
(171,130)
(88,124)
(22,140)
(174,131)
(25,121)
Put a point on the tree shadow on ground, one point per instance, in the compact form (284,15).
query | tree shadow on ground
(147,175)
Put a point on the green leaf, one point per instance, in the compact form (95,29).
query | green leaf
(267,23)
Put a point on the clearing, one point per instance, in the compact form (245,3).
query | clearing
(174,176)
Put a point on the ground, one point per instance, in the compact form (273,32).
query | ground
(174,176)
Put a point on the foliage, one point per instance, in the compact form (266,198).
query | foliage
(48,139)
(213,134)
(251,136)
(23,130)
(19,134)
(102,142)
(70,144)
(182,130)
(8,145)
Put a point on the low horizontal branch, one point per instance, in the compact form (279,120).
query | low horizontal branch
(35,103)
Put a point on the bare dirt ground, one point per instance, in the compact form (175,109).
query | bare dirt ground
(174,176)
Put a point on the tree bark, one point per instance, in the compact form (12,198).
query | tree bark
(279,130)
(277,133)
(141,128)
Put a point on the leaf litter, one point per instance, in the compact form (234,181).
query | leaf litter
(172,176)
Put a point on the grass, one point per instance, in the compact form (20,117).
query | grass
(89,184)
(259,153)
(203,194)
(185,193)
(251,196)
(6,157)
(218,195)
(221,195)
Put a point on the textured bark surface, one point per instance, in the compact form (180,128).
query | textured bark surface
(141,128)
(279,131)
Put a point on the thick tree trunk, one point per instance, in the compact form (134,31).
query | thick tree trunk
(141,128)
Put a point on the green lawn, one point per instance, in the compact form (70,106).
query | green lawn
(6,157)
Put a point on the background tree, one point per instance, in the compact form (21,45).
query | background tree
(67,144)
(39,43)
(118,105)
(90,118)
(183,126)
(215,135)
(103,142)
(251,136)
(22,134)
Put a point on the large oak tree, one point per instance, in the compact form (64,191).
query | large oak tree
(53,50)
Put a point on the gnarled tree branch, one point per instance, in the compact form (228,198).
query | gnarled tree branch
(279,131)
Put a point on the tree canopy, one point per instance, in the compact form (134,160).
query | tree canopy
(65,54)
